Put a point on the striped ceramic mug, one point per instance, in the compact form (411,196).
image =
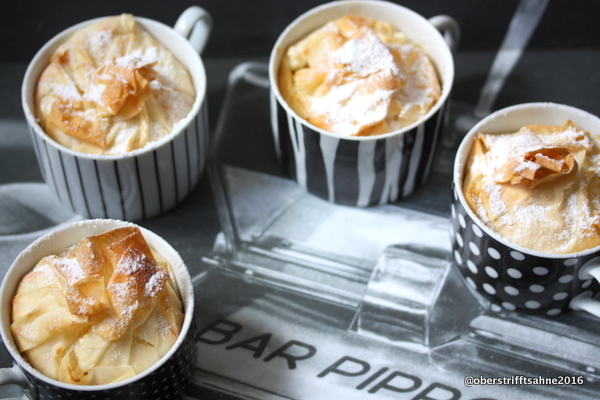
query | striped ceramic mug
(363,170)
(145,182)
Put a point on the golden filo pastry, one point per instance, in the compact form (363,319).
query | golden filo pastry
(358,76)
(538,187)
(101,311)
(112,88)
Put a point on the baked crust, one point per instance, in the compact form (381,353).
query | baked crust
(98,312)
(112,88)
(358,76)
(538,187)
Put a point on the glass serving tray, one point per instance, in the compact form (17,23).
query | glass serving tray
(303,299)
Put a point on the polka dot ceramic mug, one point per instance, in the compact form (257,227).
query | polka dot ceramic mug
(167,379)
(505,273)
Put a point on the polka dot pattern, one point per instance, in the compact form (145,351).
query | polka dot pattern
(514,273)
(493,253)
(510,279)
(169,381)
(512,291)
(536,288)
(491,272)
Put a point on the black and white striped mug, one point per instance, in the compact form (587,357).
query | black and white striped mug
(169,378)
(145,182)
(509,275)
(363,170)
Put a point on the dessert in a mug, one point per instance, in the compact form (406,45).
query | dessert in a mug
(357,76)
(100,311)
(539,187)
(112,88)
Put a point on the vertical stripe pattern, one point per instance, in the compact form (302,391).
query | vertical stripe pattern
(356,172)
(130,188)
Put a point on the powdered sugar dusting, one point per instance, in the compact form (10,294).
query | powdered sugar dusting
(353,77)
(109,73)
(100,40)
(365,55)
(155,284)
(122,293)
(103,316)
(132,262)
(359,103)
(165,328)
(67,91)
(558,216)
(348,110)
(94,93)
(71,269)
(418,91)
(139,58)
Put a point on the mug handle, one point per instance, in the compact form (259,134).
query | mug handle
(14,376)
(449,28)
(195,24)
(584,301)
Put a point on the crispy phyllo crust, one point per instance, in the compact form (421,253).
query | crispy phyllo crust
(358,76)
(112,88)
(98,312)
(538,188)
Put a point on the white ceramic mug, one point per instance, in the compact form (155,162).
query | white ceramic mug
(363,170)
(175,367)
(145,182)
(509,275)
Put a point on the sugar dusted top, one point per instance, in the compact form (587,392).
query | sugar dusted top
(358,76)
(539,187)
(112,88)
(100,311)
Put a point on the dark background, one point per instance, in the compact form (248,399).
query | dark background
(249,28)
